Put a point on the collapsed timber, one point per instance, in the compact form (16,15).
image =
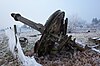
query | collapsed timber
(54,41)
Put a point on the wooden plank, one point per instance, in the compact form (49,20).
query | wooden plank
(30,23)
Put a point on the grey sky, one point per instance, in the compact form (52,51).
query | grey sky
(40,10)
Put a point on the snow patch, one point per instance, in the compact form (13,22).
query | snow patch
(26,61)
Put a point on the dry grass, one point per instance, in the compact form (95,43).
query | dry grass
(85,58)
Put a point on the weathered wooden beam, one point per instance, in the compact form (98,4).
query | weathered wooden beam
(64,42)
(66,26)
(30,23)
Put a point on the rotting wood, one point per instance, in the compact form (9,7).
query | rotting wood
(30,23)
(54,39)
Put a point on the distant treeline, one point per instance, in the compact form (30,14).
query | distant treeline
(95,21)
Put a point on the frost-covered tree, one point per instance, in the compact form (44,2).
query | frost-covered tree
(75,22)
(95,23)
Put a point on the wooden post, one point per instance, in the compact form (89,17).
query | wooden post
(15,31)
(66,25)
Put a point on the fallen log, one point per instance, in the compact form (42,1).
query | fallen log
(93,48)
(95,40)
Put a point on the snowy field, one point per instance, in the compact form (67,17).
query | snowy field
(86,58)
(83,37)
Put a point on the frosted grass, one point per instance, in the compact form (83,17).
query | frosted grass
(26,61)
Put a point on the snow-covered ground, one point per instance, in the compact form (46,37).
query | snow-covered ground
(15,47)
(6,58)
(83,37)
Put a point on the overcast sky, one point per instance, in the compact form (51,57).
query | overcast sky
(40,10)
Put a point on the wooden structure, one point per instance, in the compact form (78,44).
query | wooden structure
(54,37)
(95,40)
